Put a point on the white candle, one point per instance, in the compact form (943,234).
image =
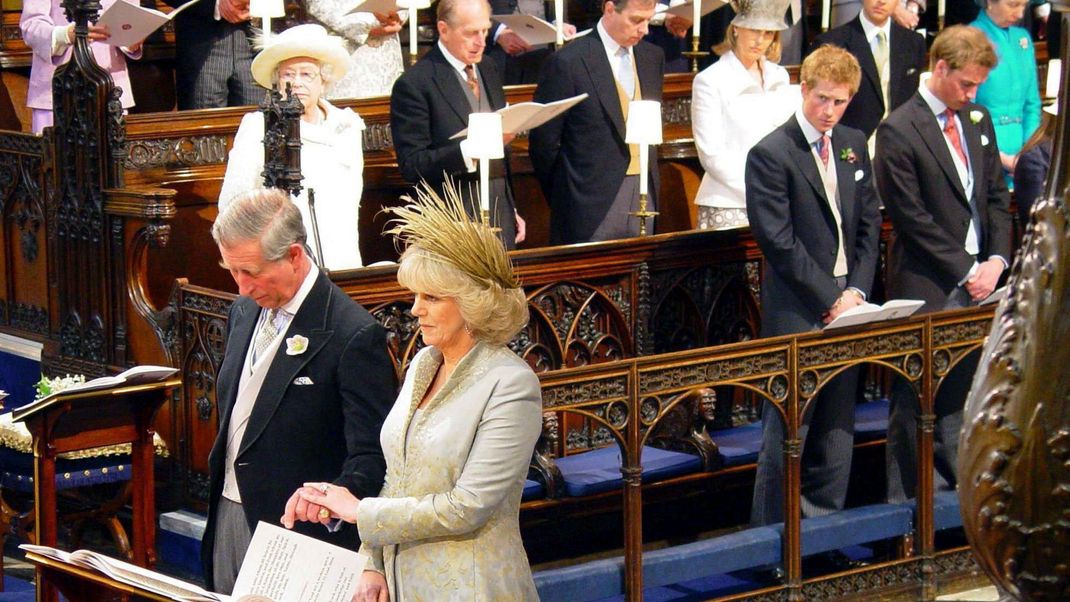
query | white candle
(412,31)
(484,184)
(644,161)
(826,14)
(941,10)
(1055,73)
(559,14)
(697,19)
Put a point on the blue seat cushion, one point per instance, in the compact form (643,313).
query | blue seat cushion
(696,590)
(946,513)
(587,581)
(852,527)
(16,470)
(871,420)
(739,445)
(598,470)
(533,490)
(749,548)
(18,375)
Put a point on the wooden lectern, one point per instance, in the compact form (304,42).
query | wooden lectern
(85,420)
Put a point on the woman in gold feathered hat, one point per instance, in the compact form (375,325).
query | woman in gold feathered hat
(459,439)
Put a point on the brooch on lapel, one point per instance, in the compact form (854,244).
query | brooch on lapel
(848,154)
(976,117)
(1024,43)
(296,345)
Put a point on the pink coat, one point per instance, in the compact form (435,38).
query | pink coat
(39,18)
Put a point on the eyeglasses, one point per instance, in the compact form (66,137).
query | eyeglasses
(303,76)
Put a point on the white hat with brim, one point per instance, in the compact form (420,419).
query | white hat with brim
(763,15)
(309,40)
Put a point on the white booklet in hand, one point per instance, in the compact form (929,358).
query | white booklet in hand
(996,296)
(382,7)
(527,115)
(128,23)
(279,566)
(530,28)
(687,9)
(284,565)
(869,312)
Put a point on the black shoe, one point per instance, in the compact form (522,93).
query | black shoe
(770,576)
(835,561)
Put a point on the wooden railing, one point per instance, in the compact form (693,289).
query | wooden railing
(630,399)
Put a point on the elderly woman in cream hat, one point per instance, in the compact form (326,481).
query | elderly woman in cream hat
(735,102)
(332,160)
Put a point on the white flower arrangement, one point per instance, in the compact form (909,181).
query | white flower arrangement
(47,386)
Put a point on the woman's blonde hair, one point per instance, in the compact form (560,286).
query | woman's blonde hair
(492,313)
(730,40)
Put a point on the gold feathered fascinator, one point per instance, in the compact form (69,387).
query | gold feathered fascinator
(440,226)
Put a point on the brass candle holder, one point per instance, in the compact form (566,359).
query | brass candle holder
(695,54)
(643,214)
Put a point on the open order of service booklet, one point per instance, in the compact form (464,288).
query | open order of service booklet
(869,312)
(524,116)
(280,566)
(129,23)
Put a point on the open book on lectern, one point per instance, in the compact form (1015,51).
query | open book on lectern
(138,375)
(280,566)
(524,116)
(869,312)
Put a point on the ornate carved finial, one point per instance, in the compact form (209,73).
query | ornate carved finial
(1014,459)
(282,141)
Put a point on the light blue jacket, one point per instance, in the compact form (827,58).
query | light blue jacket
(1011,92)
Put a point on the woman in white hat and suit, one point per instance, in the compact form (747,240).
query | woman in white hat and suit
(735,102)
(332,158)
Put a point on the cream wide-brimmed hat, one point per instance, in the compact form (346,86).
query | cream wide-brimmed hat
(763,15)
(309,40)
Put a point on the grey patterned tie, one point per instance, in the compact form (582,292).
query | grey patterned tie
(625,73)
(881,58)
(268,331)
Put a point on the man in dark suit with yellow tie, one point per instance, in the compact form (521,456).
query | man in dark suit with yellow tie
(891,56)
(589,175)
(814,212)
(939,174)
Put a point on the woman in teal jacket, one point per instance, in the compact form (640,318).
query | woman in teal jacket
(1011,92)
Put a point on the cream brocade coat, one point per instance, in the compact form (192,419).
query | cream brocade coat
(446,525)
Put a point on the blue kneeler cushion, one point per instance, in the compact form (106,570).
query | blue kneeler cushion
(598,470)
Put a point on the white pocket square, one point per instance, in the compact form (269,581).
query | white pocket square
(302,380)
(984,140)
(859,174)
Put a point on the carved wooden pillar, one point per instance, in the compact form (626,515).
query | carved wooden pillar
(1014,459)
(87,139)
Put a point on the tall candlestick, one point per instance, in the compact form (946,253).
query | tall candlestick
(414,19)
(941,10)
(266,10)
(484,184)
(644,161)
(826,14)
(559,14)
(697,19)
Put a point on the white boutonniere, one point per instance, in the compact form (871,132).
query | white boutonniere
(976,117)
(984,140)
(296,345)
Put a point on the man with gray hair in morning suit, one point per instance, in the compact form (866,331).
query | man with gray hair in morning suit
(303,389)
